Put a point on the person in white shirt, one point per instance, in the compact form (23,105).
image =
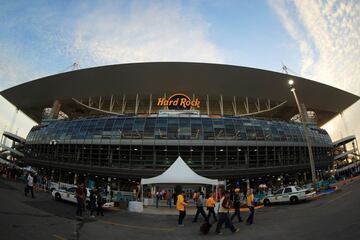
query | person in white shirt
(30,185)
(223,214)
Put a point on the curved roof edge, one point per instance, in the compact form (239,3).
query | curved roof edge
(188,77)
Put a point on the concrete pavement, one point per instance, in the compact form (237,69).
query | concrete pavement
(334,216)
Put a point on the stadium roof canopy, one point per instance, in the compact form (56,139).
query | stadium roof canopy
(195,79)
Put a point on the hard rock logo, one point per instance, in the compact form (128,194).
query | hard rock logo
(179,101)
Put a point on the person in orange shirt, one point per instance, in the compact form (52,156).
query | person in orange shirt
(210,205)
(181,207)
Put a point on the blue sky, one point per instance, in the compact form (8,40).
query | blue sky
(250,34)
(315,39)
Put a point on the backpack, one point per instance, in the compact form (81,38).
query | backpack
(205,228)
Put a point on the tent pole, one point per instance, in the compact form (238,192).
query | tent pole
(216,192)
(142,194)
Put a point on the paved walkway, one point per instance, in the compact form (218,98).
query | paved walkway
(173,211)
(162,210)
(44,218)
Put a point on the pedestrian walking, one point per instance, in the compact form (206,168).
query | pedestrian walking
(174,198)
(30,185)
(92,202)
(199,200)
(237,205)
(250,204)
(224,207)
(108,189)
(157,199)
(168,198)
(181,207)
(35,182)
(99,202)
(210,205)
(80,199)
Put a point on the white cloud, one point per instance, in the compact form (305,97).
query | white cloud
(328,35)
(13,69)
(96,33)
(286,15)
(156,32)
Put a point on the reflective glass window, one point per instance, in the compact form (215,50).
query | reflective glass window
(196,128)
(161,128)
(109,124)
(259,133)
(208,129)
(279,191)
(173,128)
(127,128)
(138,128)
(149,128)
(184,128)
(219,129)
(250,133)
(81,131)
(91,129)
(240,129)
(229,129)
(100,124)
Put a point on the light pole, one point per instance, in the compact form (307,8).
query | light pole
(306,132)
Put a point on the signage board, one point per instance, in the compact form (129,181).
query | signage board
(179,101)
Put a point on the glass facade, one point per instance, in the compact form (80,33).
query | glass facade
(156,141)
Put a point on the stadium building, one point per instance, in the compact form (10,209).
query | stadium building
(130,121)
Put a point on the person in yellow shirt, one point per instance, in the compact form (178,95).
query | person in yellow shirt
(250,204)
(181,207)
(210,205)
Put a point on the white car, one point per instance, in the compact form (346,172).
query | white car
(292,194)
(68,194)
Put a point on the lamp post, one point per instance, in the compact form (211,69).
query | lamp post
(306,132)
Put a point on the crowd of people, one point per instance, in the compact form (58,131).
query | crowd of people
(96,201)
(225,203)
(34,182)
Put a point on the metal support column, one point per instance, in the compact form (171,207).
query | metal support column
(112,103)
(207,104)
(123,104)
(150,104)
(246,105)
(137,102)
(221,105)
(234,106)
(257,105)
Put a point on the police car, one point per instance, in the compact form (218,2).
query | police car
(290,194)
(68,194)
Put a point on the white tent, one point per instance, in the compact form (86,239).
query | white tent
(179,173)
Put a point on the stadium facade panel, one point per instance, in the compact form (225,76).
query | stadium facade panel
(138,146)
(133,120)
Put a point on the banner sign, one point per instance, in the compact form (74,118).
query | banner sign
(179,101)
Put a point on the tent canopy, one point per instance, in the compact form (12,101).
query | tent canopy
(179,173)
